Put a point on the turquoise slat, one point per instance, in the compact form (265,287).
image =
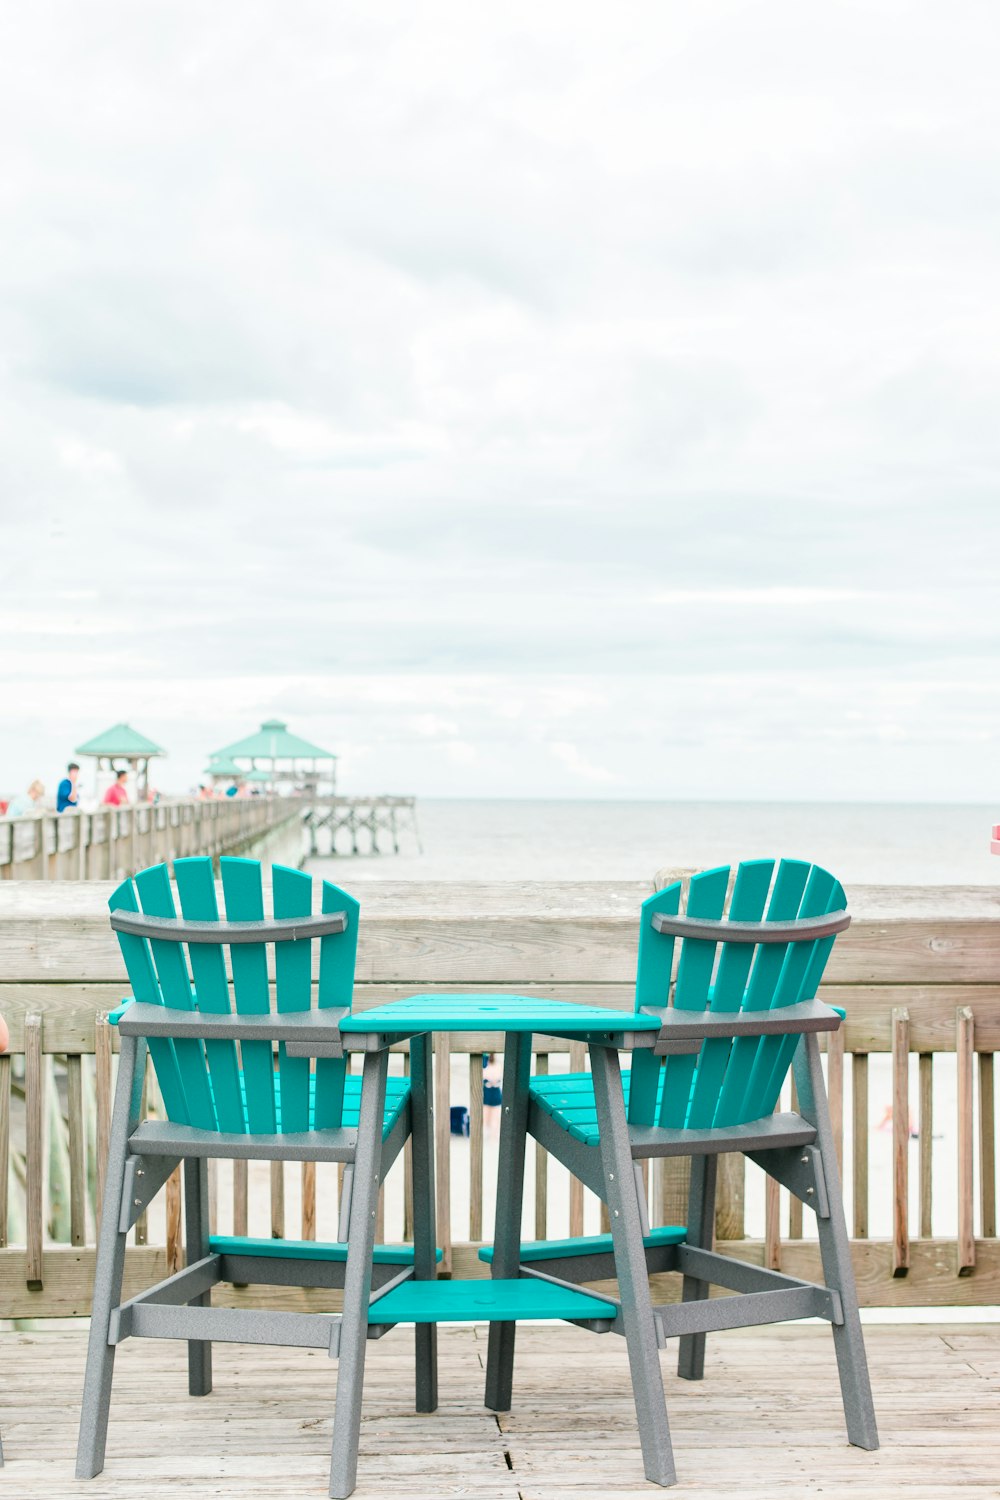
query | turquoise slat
(382,1255)
(652,987)
(772,1064)
(706,898)
(156,896)
(479,1301)
(196,889)
(735,1107)
(145,987)
(753,881)
(292,892)
(337,960)
(592,1244)
(245,903)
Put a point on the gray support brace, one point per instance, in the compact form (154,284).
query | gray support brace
(196,1225)
(630,1262)
(358,1278)
(835,1250)
(110,1264)
(701,1232)
(424,1215)
(510,1192)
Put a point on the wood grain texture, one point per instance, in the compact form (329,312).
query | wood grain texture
(4,1146)
(965,1241)
(926,1118)
(900,1142)
(570,1436)
(34,1150)
(859,1132)
(77,1150)
(987,1146)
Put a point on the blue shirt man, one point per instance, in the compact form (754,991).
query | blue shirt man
(66,793)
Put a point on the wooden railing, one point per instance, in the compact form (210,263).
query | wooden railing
(110,842)
(917,973)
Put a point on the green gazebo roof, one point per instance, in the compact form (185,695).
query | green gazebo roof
(258,775)
(274,742)
(222,765)
(120,739)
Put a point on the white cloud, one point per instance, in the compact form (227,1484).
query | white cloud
(506,378)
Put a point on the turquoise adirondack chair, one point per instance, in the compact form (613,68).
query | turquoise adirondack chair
(733,980)
(202,1005)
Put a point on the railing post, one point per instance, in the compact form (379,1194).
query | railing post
(964,1040)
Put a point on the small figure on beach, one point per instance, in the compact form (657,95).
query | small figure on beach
(205,793)
(67,792)
(492,1092)
(117,792)
(27,802)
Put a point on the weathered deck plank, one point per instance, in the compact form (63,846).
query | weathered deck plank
(746,1429)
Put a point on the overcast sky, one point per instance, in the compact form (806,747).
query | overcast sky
(562,399)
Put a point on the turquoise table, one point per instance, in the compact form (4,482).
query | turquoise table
(514,1294)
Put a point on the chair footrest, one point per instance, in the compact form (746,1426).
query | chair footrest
(382,1255)
(486,1302)
(593,1244)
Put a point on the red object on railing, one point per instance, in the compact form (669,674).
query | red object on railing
(995,841)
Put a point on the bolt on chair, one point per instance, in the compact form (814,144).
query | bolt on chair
(733,980)
(202,1004)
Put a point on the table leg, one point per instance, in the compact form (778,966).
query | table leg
(510,1193)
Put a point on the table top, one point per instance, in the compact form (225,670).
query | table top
(491,1012)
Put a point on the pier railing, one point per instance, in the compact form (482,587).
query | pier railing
(918,974)
(109,842)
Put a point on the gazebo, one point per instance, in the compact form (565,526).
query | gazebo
(282,757)
(224,768)
(123,743)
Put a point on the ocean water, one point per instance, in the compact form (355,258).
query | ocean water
(862,843)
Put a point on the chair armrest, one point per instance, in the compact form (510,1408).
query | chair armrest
(114,1016)
(305,1027)
(678,1026)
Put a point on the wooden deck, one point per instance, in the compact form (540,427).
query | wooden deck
(765,1421)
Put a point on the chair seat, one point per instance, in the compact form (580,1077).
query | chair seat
(569,1099)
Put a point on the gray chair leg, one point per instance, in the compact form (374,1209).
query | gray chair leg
(424,1217)
(358,1278)
(835,1250)
(700,1232)
(507,1230)
(630,1267)
(110,1264)
(197,1227)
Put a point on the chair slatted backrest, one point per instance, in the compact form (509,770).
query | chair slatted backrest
(730,1081)
(223,1085)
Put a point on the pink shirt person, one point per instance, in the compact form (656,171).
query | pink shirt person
(116,793)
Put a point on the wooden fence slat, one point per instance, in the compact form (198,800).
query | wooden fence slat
(442,1130)
(308,1200)
(34,1116)
(241,1195)
(475,1146)
(4,1146)
(900,1142)
(966,1244)
(859,1143)
(277,1175)
(102,1073)
(987,1148)
(175,1243)
(77,1151)
(772,1224)
(577,1063)
(542,1169)
(926,1126)
(730,1193)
